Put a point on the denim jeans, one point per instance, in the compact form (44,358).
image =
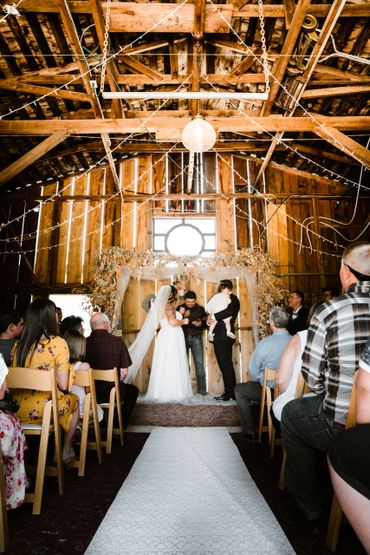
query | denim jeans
(195,345)
(306,432)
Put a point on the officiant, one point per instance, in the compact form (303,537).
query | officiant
(193,332)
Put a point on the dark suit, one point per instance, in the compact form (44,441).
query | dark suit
(298,322)
(223,344)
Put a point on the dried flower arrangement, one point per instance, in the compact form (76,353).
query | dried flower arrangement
(270,290)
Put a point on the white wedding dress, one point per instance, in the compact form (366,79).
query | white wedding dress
(169,377)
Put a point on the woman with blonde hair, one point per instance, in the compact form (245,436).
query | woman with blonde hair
(40,347)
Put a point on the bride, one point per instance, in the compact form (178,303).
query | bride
(169,378)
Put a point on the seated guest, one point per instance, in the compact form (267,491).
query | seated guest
(77,349)
(71,323)
(13,445)
(290,368)
(105,351)
(298,318)
(349,460)
(11,327)
(336,337)
(328,293)
(267,354)
(40,347)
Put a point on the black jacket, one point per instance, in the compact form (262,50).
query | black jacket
(298,322)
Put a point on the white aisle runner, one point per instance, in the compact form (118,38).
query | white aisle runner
(189,492)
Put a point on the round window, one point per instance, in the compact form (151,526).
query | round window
(184,240)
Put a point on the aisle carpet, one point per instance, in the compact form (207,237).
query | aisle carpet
(189,492)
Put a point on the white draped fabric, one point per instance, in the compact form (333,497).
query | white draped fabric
(140,346)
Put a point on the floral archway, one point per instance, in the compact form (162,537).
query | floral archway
(116,266)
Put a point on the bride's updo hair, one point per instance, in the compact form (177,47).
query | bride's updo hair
(173,294)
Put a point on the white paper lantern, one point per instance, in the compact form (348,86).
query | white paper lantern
(198,135)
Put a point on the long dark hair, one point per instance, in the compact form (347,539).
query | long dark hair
(39,320)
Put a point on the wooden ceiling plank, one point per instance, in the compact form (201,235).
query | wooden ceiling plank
(344,143)
(10,85)
(31,156)
(279,70)
(336,91)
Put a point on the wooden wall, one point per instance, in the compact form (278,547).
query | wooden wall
(86,214)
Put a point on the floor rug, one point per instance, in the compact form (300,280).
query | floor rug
(189,492)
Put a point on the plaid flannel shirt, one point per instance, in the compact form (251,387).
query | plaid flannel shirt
(336,337)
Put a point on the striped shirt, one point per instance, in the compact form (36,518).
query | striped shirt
(336,337)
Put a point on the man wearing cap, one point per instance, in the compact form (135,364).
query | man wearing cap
(336,337)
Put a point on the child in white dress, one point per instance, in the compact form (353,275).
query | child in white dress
(219,302)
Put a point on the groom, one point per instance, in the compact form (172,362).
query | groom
(223,345)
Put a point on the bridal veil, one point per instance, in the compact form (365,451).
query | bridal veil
(141,344)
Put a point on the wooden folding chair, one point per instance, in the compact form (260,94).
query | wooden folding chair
(300,389)
(336,512)
(4,532)
(41,380)
(84,378)
(266,402)
(114,403)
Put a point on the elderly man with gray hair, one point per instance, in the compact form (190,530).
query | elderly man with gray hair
(267,354)
(105,351)
(336,336)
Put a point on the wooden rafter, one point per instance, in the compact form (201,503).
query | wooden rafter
(84,68)
(31,156)
(344,143)
(9,85)
(336,91)
(328,26)
(278,70)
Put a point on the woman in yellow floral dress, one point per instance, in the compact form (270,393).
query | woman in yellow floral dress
(40,347)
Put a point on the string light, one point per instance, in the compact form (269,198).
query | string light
(296,101)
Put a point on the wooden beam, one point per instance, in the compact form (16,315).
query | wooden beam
(31,156)
(71,32)
(138,67)
(167,18)
(272,123)
(327,73)
(11,85)
(166,79)
(344,143)
(336,91)
(279,70)
(289,6)
(360,9)
(303,81)
(112,69)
